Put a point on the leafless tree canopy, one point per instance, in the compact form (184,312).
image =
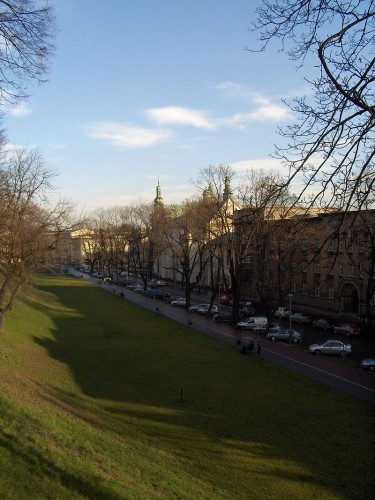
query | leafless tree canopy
(332,144)
(26,29)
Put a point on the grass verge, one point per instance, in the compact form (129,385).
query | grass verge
(103,399)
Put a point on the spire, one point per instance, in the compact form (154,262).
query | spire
(158,200)
(227,189)
(207,193)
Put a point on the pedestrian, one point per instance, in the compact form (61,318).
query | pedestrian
(259,347)
(250,347)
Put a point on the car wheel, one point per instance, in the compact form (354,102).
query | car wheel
(273,338)
(317,352)
(372,368)
(294,341)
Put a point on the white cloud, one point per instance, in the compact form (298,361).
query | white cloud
(261,163)
(19,110)
(127,137)
(57,146)
(175,115)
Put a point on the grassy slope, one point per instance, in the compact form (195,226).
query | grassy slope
(90,406)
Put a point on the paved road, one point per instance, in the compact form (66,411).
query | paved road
(354,381)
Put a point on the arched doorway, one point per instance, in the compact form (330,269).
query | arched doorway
(349,299)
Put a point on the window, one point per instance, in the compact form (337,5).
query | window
(248,259)
(350,270)
(331,292)
(304,266)
(341,246)
(361,271)
(317,267)
(317,289)
(331,245)
(361,246)
(330,268)
(304,288)
(341,269)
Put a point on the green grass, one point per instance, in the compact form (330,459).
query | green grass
(91,407)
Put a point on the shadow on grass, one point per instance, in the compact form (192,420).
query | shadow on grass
(38,463)
(195,393)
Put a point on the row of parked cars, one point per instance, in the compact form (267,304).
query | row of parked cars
(322,323)
(260,324)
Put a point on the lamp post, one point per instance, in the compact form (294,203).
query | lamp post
(290,295)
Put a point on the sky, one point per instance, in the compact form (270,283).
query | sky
(141,91)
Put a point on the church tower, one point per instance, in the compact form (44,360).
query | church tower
(158,201)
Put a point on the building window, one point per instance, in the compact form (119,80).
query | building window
(293,267)
(304,266)
(331,293)
(361,271)
(317,267)
(331,245)
(248,259)
(350,270)
(330,268)
(317,289)
(341,246)
(361,246)
(304,288)
(341,269)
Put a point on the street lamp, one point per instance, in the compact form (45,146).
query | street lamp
(290,295)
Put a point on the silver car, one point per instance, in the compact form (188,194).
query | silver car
(368,364)
(284,335)
(331,347)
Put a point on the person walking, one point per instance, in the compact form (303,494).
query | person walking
(259,347)
(250,347)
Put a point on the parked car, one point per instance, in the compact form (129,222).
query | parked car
(323,324)
(223,316)
(300,318)
(284,335)
(206,309)
(248,311)
(150,292)
(281,312)
(138,289)
(273,327)
(170,298)
(196,307)
(331,347)
(226,299)
(253,323)
(347,329)
(368,364)
(181,302)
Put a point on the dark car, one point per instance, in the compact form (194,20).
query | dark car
(223,316)
(323,324)
(347,329)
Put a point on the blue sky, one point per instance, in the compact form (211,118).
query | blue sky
(147,89)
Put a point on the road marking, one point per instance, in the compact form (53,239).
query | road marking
(322,371)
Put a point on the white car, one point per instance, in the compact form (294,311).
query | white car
(196,307)
(205,309)
(181,302)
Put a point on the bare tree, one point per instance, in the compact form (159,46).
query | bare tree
(26,31)
(30,226)
(332,143)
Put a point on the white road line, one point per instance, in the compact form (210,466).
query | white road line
(322,371)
